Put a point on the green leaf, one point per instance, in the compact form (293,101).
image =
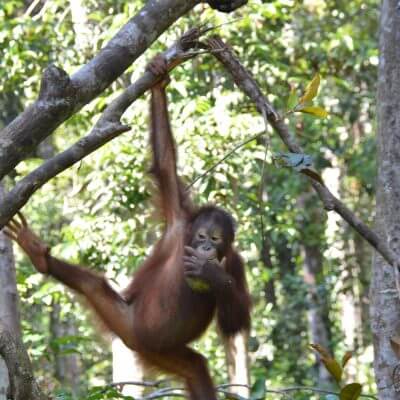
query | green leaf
(258,390)
(351,391)
(333,368)
(346,358)
(297,161)
(293,100)
(316,111)
(311,89)
(330,363)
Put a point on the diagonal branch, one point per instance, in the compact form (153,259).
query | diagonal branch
(245,81)
(106,128)
(62,96)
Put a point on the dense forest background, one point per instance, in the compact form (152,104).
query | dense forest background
(308,272)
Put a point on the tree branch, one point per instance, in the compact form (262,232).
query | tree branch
(106,128)
(61,97)
(245,81)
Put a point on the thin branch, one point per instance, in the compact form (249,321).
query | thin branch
(245,81)
(106,128)
(177,391)
(220,161)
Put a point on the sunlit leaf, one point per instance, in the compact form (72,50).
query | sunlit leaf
(330,363)
(333,368)
(346,358)
(316,111)
(350,392)
(311,90)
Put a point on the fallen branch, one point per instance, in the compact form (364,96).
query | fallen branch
(245,81)
(106,128)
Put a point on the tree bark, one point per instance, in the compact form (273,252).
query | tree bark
(317,311)
(9,312)
(385,304)
(22,382)
(62,96)
(237,360)
(67,368)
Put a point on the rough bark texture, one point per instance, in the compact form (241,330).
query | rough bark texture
(23,384)
(9,312)
(385,307)
(61,96)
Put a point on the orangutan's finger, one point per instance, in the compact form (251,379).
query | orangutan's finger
(12,226)
(22,218)
(9,234)
(16,223)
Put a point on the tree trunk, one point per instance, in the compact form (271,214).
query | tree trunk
(80,24)
(127,368)
(385,304)
(317,311)
(66,366)
(9,312)
(15,364)
(237,360)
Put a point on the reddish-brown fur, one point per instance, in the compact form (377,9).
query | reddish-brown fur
(159,313)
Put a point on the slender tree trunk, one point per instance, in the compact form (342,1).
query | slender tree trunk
(237,361)
(80,24)
(317,312)
(269,288)
(9,312)
(385,304)
(66,366)
(127,368)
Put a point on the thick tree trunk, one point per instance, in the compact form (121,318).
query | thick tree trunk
(385,304)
